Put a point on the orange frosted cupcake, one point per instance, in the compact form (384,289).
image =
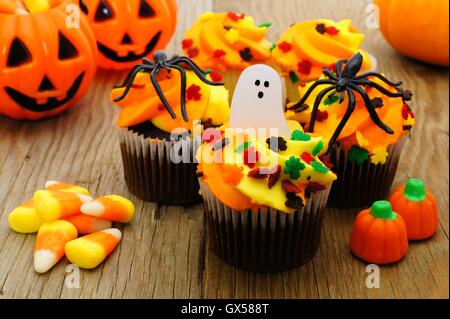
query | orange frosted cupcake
(227,43)
(304,49)
(365,121)
(160,125)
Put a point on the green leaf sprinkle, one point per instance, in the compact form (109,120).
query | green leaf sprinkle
(317,149)
(358,154)
(294,77)
(293,167)
(273,47)
(319,167)
(298,135)
(266,25)
(243,147)
(331,99)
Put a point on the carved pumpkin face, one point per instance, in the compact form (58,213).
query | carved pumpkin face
(45,66)
(127,31)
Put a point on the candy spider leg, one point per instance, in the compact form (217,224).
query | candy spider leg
(373,114)
(183,91)
(350,108)
(198,71)
(129,76)
(339,67)
(128,83)
(161,93)
(379,76)
(328,73)
(377,87)
(309,91)
(319,98)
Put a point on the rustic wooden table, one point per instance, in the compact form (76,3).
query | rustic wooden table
(165,252)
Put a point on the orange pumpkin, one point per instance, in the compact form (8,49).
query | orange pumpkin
(379,235)
(45,66)
(130,30)
(418,207)
(417,28)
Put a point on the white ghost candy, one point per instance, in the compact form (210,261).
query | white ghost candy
(257,102)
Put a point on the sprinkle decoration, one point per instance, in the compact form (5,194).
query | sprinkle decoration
(251,157)
(265,25)
(218,54)
(298,135)
(246,54)
(293,76)
(243,146)
(318,148)
(326,161)
(319,167)
(220,145)
(304,67)
(379,156)
(193,93)
(273,178)
(294,201)
(235,16)
(332,31)
(293,167)
(314,187)
(272,47)
(257,173)
(285,47)
(187,43)
(362,141)
(321,116)
(276,144)
(215,76)
(307,158)
(358,155)
(321,28)
(377,102)
(406,111)
(331,99)
(289,187)
(193,52)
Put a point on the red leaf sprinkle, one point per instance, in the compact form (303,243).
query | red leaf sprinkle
(321,116)
(219,54)
(216,77)
(307,158)
(273,178)
(405,111)
(304,67)
(285,46)
(193,93)
(332,31)
(187,43)
(193,52)
(235,16)
(289,187)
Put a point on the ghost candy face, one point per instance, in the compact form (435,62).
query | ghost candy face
(257,102)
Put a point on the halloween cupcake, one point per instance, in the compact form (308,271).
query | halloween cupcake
(164,105)
(365,121)
(263,199)
(226,43)
(305,48)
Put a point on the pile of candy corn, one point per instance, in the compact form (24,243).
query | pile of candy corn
(62,212)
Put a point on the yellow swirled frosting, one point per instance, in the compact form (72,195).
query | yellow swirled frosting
(306,47)
(249,173)
(360,135)
(222,41)
(141,104)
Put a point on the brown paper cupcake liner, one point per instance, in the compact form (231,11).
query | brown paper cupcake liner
(150,173)
(358,186)
(268,240)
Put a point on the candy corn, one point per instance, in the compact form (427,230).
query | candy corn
(89,251)
(58,186)
(86,224)
(112,207)
(24,219)
(50,242)
(52,205)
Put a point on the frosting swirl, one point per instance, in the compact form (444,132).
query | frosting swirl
(223,41)
(360,134)
(306,47)
(248,173)
(203,102)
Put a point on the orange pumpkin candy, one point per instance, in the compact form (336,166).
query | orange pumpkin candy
(130,30)
(379,235)
(418,207)
(417,28)
(45,66)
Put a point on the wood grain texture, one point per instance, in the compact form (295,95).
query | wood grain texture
(165,252)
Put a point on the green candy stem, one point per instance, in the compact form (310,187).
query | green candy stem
(382,209)
(414,190)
